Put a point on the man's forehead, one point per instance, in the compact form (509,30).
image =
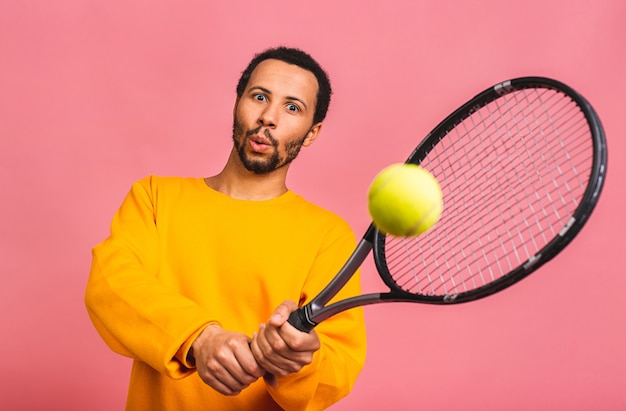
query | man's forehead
(278,73)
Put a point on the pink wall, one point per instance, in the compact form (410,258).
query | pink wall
(95,95)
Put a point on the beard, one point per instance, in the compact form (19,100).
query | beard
(264,165)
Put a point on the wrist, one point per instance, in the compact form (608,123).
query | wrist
(206,334)
(187,353)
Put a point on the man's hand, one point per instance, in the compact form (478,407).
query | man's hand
(224,360)
(280,348)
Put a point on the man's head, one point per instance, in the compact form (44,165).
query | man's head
(279,109)
(298,58)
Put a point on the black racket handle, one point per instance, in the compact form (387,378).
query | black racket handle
(300,320)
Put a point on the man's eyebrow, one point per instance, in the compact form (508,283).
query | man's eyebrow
(266,91)
(263,89)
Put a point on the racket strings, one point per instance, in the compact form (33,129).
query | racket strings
(512,174)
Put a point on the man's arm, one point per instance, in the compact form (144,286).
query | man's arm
(136,314)
(315,370)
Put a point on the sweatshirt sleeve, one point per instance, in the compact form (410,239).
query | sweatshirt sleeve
(135,314)
(337,364)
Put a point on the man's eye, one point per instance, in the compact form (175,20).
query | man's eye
(260,97)
(293,107)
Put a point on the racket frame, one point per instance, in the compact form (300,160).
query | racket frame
(317,310)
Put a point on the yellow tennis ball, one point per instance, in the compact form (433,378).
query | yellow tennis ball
(404,200)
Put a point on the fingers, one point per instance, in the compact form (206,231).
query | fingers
(228,372)
(275,355)
(225,362)
(229,362)
(280,348)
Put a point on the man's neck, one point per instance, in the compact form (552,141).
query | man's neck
(237,182)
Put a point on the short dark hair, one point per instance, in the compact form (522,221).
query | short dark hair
(301,59)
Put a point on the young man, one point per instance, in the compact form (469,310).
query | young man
(193,266)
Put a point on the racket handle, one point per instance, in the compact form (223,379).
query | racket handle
(300,320)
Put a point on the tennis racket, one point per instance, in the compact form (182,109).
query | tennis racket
(521,167)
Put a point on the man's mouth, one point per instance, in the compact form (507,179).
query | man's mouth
(259,143)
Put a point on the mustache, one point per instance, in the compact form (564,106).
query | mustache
(266,132)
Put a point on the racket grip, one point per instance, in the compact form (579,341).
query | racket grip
(300,320)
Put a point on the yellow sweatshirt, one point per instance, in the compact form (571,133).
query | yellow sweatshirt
(181,256)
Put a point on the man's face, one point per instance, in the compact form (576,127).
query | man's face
(273,118)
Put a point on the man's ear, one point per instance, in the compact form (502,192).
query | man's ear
(312,134)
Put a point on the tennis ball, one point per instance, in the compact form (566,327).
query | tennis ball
(404,200)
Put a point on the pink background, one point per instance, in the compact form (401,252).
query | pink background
(97,94)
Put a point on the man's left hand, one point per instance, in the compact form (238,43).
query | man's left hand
(280,348)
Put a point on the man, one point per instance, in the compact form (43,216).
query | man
(193,266)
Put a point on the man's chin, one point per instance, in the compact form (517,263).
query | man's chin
(258,167)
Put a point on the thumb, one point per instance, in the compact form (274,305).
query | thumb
(281,314)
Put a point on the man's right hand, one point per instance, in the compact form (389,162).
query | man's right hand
(224,360)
